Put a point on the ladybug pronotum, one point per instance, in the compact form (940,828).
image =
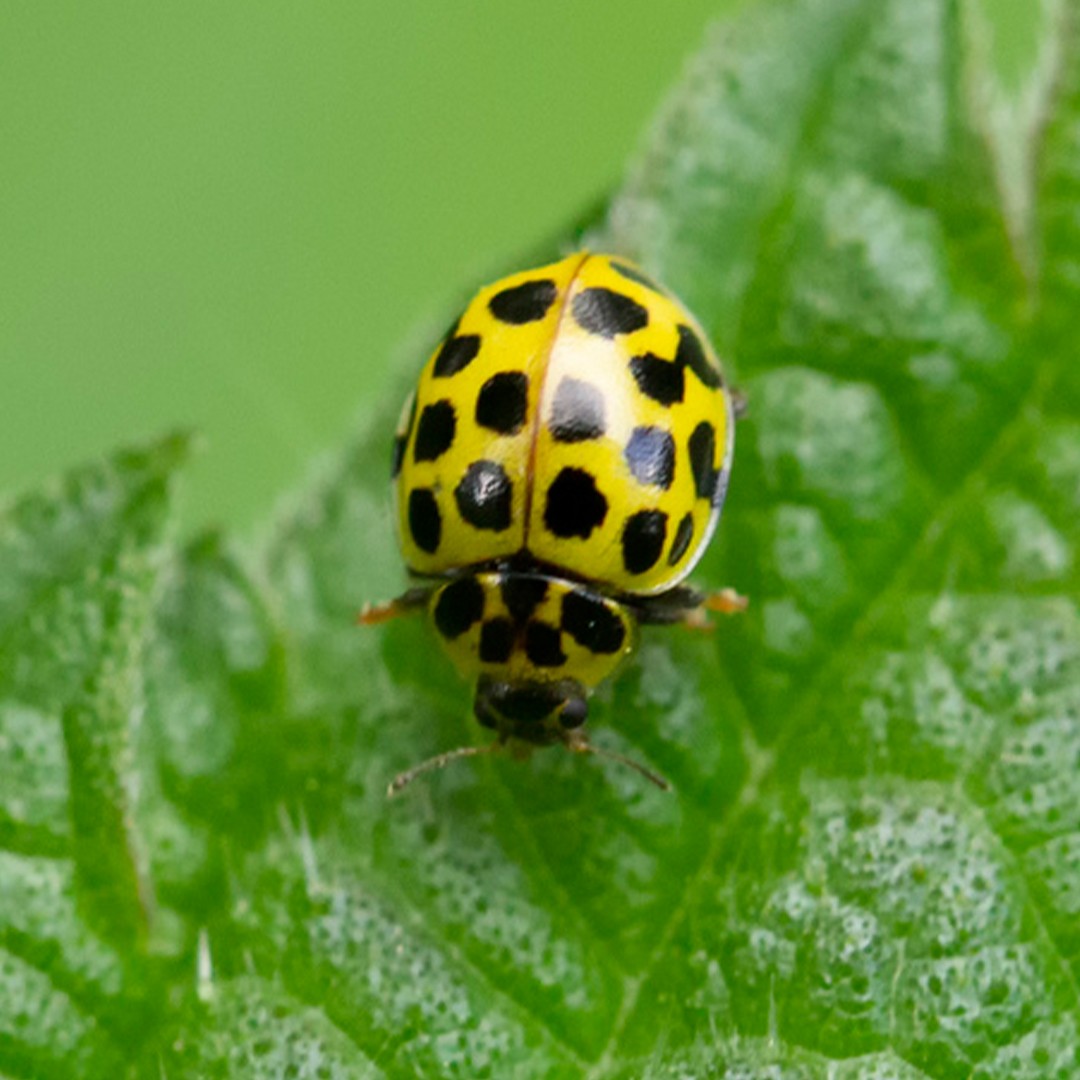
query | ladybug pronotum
(558,472)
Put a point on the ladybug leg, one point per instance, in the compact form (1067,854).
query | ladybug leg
(740,403)
(724,601)
(408,602)
(667,608)
(688,606)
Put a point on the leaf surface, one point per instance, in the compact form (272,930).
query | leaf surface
(870,869)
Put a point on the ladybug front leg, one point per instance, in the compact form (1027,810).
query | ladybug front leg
(407,603)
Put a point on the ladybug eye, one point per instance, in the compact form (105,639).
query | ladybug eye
(484,713)
(573,713)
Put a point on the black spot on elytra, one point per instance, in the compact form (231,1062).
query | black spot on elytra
(691,354)
(522,594)
(683,535)
(496,640)
(459,605)
(665,380)
(661,380)
(643,540)
(502,402)
(592,624)
(524,303)
(607,313)
(435,432)
(425,522)
(650,453)
(632,273)
(577,413)
(542,645)
(702,446)
(574,506)
(484,496)
(456,353)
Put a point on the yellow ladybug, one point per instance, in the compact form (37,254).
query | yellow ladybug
(559,471)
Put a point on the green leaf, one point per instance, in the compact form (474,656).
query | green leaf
(870,867)
(79,566)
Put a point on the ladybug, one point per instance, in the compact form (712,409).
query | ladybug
(559,470)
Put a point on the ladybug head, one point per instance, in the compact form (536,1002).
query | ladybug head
(537,713)
(528,714)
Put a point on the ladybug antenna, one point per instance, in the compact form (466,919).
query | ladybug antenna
(583,746)
(403,780)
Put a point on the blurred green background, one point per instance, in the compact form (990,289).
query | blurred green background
(229,216)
